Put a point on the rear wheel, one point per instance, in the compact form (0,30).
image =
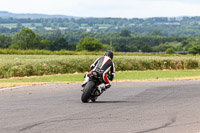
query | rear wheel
(87,91)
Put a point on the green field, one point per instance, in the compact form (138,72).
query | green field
(120,76)
(37,65)
(14,25)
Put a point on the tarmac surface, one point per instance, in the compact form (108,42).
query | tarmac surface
(127,107)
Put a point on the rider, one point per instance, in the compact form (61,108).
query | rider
(106,64)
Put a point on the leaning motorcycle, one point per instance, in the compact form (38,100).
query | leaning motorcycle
(91,90)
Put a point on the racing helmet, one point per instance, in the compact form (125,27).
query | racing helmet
(109,53)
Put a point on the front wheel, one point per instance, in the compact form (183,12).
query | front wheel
(87,91)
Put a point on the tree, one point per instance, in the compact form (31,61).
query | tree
(72,46)
(45,44)
(164,46)
(125,48)
(156,33)
(133,48)
(170,51)
(90,44)
(5,41)
(119,47)
(195,49)
(26,39)
(125,33)
(60,43)
(146,48)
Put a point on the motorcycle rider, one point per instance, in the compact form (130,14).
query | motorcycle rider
(106,65)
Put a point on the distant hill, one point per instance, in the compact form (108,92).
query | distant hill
(166,26)
(6,14)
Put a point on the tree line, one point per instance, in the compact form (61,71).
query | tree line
(177,26)
(124,41)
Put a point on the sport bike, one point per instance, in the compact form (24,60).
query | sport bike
(92,89)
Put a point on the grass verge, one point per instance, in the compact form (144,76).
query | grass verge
(120,76)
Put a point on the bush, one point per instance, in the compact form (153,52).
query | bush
(170,51)
(194,50)
(29,65)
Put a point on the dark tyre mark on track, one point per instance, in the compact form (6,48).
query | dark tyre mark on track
(158,128)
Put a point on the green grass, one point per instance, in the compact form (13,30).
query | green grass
(50,78)
(151,75)
(132,75)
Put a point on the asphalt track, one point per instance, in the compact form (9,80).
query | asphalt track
(128,107)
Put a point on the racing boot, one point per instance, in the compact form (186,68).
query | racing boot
(103,87)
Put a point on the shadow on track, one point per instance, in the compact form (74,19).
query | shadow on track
(113,102)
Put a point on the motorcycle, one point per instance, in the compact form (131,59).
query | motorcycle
(91,90)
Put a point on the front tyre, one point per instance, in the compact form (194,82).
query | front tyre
(87,91)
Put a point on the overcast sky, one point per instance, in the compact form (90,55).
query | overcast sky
(105,8)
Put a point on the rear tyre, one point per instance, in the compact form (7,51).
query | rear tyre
(87,91)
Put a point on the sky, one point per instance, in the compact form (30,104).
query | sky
(105,8)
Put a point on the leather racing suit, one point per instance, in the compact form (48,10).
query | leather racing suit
(106,64)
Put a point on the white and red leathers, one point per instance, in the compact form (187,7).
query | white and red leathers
(106,64)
